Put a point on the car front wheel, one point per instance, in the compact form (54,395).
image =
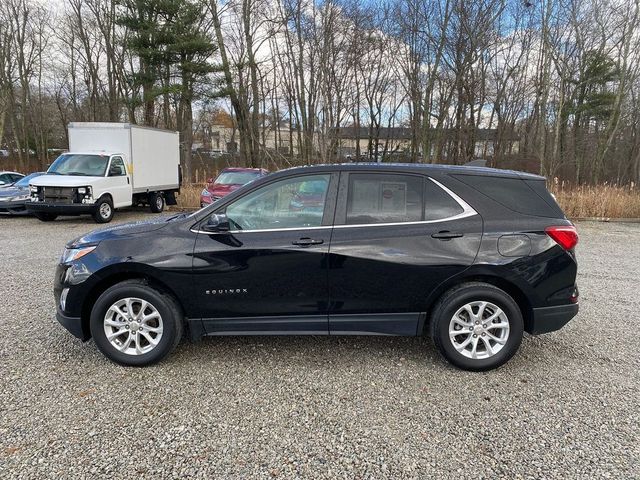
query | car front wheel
(133,324)
(477,326)
(103,212)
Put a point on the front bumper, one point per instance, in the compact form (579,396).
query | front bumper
(550,319)
(61,209)
(69,319)
(73,324)
(14,208)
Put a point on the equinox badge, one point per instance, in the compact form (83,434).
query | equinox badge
(226,291)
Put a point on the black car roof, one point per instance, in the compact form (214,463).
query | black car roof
(425,168)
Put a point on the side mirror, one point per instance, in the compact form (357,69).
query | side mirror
(210,180)
(218,222)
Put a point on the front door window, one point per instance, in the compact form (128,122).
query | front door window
(290,203)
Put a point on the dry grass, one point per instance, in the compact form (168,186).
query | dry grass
(604,201)
(190,195)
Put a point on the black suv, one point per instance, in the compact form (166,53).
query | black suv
(472,256)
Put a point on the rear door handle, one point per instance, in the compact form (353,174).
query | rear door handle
(306,241)
(446,235)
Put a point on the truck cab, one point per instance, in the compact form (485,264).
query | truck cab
(79,182)
(96,182)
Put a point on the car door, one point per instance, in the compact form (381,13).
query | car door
(119,182)
(396,238)
(268,273)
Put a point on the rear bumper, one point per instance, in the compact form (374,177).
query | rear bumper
(64,209)
(550,319)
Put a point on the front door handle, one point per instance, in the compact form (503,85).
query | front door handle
(306,241)
(446,235)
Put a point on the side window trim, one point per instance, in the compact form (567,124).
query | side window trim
(341,207)
(467,210)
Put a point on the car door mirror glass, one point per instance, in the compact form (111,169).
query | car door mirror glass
(218,222)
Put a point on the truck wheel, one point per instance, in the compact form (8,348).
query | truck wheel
(134,324)
(104,210)
(46,217)
(477,326)
(156,202)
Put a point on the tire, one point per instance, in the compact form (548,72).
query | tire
(507,327)
(136,350)
(156,202)
(104,210)
(46,217)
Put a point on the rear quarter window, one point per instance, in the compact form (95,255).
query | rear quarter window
(438,204)
(529,197)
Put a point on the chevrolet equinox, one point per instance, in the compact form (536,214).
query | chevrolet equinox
(473,257)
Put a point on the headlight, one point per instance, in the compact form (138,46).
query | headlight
(71,254)
(206,193)
(24,196)
(82,190)
(33,189)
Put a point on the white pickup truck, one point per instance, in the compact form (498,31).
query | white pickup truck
(109,166)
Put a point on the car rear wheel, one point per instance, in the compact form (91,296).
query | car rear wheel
(156,202)
(477,326)
(46,217)
(133,324)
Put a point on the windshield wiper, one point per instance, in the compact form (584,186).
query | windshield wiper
(77,174)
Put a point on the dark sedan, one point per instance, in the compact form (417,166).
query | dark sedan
(13,198)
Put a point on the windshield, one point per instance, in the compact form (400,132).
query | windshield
(24,181)
(79,164)
(236,178)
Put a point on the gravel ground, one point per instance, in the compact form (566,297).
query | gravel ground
(565,407)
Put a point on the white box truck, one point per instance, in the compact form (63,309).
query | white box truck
(109,166)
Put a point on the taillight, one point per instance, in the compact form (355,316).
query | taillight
(565,236)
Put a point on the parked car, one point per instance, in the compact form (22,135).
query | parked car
(13,198)
(229,180)
(109,166)
(4,153)
(471,256)
(9,178)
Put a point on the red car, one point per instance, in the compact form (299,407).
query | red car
(229,180)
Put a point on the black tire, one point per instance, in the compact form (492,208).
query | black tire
(165,305)
(46,217)
(103,212)
(156,202)
(459,296)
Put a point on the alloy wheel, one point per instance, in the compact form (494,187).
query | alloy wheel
(479,329)
(133,326)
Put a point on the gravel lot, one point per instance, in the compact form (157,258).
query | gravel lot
(565,407)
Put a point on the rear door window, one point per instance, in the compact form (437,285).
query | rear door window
(384,198)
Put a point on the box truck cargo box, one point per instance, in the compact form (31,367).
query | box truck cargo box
(109,166)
